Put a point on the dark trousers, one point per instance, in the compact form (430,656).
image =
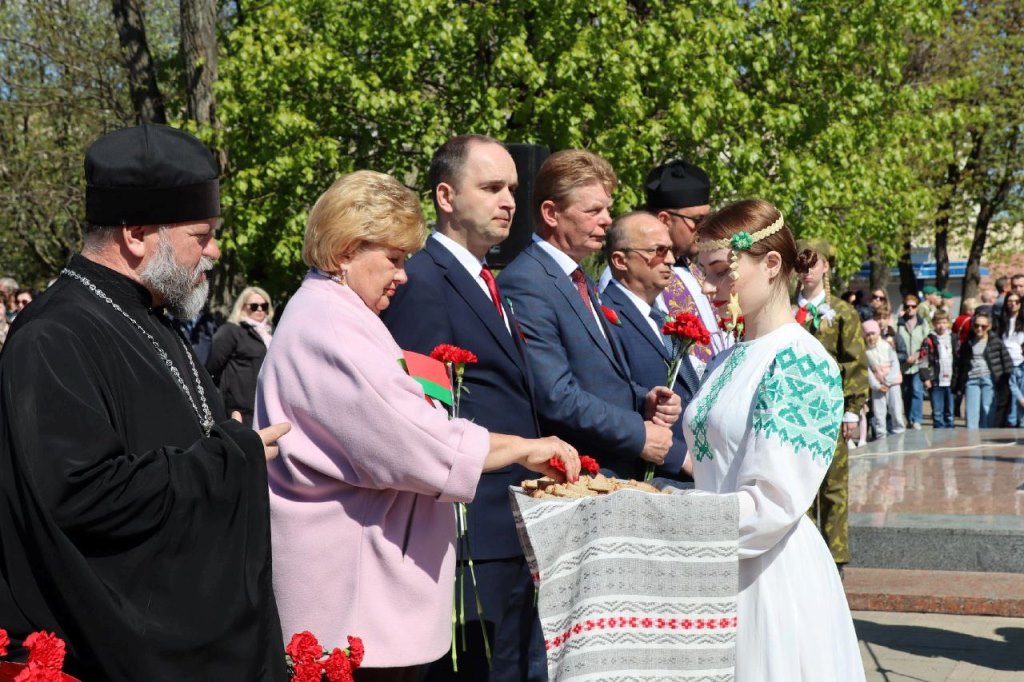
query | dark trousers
(510,619)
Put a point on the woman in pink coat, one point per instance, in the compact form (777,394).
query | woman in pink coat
(361,496)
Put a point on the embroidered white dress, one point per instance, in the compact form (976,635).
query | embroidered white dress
(765,422)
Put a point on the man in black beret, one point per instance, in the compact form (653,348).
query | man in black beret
(134,520)
(678,193)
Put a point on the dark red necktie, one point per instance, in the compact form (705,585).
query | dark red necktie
(580,280)
(488,277)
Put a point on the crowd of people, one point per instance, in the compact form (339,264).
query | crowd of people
(970,364)
(179,497)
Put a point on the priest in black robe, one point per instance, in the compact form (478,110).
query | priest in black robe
(134,518)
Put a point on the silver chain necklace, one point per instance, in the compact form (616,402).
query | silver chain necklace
(205,417)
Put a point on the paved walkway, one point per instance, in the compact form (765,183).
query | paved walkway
(930,647)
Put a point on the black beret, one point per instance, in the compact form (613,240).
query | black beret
(677,184)
(150,175)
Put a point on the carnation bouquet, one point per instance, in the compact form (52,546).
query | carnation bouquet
(309,661)
(45,659)
(684,329)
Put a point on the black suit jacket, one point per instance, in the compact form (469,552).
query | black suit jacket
(443,303)
(648,360)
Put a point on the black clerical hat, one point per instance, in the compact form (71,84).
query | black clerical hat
(677,184)
(150,175)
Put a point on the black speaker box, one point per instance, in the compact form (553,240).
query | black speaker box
(528,158)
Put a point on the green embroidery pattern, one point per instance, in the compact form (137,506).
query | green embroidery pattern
(701,449)
(800,401)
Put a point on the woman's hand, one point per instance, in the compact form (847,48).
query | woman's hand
(540,451)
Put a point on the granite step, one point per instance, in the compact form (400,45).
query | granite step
(939,543)
(950,592)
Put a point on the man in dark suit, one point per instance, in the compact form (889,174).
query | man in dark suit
(451,298)
(639,254)
(583,387)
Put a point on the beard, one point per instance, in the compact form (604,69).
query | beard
(183,292)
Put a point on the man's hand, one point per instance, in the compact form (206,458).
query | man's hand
(662,406)
(541,452)
(657,443)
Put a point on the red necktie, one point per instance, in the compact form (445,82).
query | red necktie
(488,277)
(581,286)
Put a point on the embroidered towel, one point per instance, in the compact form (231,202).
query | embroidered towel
(634,586)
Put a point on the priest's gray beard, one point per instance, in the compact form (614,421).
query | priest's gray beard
(184,295)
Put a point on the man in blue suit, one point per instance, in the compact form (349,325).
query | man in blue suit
(451,297)
(583,387)
(639,254)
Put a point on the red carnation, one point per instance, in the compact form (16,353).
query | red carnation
(304,648)
(355,649)
(34,673)
(338,667)
(4,641)
(45,650)
(687,327)
(446,352)
(307,672)
(587,463)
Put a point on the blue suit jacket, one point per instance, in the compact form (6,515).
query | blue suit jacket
(442,303)
(582,384)
(648,360)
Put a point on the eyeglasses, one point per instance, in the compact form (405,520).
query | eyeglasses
(695,219)
(658,251)
(253,307)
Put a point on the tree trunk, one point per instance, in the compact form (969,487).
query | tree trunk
(146,99)
(908,280)
(199,48)
(879,278)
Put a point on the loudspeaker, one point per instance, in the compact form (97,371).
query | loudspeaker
(528,158)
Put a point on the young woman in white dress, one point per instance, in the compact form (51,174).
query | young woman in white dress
(764,426)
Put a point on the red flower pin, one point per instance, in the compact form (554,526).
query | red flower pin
(612,316)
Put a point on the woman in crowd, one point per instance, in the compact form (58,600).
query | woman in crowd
(363,526)
(983,364)
(238,349)
(1010,329)
(884,378)
(794,622)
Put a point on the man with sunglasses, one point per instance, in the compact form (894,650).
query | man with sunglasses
(678,195)
(913,329)
(640,259)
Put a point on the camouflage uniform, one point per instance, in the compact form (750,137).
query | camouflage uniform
(843,339)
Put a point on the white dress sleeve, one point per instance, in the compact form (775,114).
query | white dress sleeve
(798,410)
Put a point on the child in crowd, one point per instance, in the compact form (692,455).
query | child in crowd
(884,378)
(938,353)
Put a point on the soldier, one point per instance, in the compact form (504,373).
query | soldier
(837,326)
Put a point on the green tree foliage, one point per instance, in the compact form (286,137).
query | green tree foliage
(60,87)
(802,103)
(974,157)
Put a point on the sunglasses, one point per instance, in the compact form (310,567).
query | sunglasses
(695,219)
(253,307)
(658,251)
(981,327)
(876,297)
(910,306)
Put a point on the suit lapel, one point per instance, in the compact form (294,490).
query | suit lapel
(568,290)
(633,316)
(476,300)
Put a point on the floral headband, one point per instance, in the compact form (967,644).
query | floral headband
(741,241)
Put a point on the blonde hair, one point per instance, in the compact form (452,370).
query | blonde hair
(236,310)
(566,170)
(361,209)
